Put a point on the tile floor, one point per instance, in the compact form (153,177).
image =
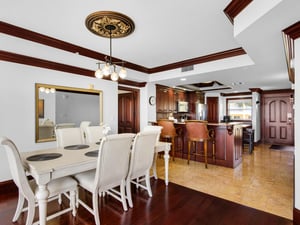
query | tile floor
(263,181)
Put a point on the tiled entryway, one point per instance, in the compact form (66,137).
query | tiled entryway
(263,181)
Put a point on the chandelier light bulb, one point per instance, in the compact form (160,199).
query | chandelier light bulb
(114,76)
(106,70)
(47,90)
(52,90)
(123,73)
(99,73)
(42,89)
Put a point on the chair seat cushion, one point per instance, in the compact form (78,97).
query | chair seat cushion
(86,179)
(57,186)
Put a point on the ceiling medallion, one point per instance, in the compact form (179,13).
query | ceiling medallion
(106,23)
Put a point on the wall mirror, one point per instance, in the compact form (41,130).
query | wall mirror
(59,106)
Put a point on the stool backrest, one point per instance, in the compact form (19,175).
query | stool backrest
(197,130)
(168,128)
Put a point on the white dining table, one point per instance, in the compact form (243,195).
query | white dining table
(70,163)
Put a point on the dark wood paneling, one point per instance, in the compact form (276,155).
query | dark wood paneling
(212,109)
(277,127)
(129,110)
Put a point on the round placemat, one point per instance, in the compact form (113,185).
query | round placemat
(44,157)
(76,147)
(92,153)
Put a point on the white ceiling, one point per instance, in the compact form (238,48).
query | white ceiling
(166,32)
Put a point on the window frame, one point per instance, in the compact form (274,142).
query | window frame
(227,109)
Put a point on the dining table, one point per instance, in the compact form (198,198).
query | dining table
(49,164)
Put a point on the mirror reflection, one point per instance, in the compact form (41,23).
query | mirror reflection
(59,107)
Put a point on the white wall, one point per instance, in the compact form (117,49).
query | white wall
(297,123)
(17,100)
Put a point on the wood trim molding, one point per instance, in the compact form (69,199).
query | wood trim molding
(258,90)
(59,44)
(42,63)
(289,35)
(296,216)
(198,60)
(19,32)
(234,8)
(235,94)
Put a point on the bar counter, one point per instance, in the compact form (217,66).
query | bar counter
(227,138)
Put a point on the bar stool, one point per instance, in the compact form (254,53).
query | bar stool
(197,132)
(168,133)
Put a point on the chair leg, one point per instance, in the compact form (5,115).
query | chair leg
(30,213)
(95,208)
(173,148)
(189,151)
(123,196)
(128,193)
(73,201)
(154,166)
(205,153)
(19,207)
(147,177)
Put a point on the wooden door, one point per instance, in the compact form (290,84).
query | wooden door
(278,127)
(212,109)
(128,112)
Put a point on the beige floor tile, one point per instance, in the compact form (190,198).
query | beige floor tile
(263,181)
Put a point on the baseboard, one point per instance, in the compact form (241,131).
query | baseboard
(296,216)
(8,187)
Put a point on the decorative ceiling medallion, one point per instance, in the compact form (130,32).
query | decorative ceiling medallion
(103,22)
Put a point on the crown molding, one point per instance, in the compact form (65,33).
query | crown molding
(42,63)
(289,34)
(235,7)
(19,32)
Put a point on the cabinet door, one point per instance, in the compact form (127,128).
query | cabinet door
(212,109)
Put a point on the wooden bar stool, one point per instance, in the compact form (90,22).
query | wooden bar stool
(197,132)
(168,133)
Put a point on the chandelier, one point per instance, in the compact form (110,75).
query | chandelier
(110,25)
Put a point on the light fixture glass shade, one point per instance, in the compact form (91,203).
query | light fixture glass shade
(114,76)
(123,73)
(106,70)
(99,73)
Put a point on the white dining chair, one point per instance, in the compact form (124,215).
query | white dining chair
(141,160)
(83,125)
(111,171)
(27,189)
(158,129)
(93,134)
(68,136)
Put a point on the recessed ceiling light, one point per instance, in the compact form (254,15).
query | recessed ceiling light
(183,79)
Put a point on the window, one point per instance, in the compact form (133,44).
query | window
(239,108)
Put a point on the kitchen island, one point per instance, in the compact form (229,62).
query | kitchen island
(224,148)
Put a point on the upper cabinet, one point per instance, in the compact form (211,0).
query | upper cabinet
(167,99)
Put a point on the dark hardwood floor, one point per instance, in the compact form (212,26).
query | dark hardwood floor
(172,205)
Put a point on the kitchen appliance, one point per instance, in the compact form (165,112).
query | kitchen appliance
(201,111)
(183,106)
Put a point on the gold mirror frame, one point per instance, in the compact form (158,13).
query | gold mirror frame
(39,105)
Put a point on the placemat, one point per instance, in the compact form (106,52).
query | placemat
(92,153)
(44,157)
(76,147)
